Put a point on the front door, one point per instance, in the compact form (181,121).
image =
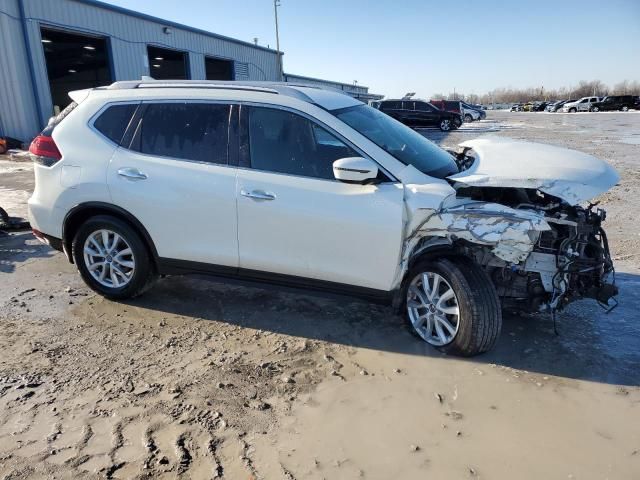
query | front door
(295,219)
(176,180)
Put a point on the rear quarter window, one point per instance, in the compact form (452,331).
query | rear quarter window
(113,122)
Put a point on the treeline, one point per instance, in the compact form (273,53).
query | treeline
(515,95)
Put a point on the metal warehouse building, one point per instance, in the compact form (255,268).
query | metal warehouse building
(50,47)
(357,91)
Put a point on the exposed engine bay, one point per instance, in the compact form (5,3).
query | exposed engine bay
(570,260)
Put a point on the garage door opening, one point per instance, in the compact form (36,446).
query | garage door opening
(165,64)
(74,62)
(218,69)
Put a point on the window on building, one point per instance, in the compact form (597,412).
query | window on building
(218,69)
(74,62)
(166,64)
(189,131)
(285,142)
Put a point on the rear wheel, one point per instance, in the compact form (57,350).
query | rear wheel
(595,109)
(468,118)
(112,258)
(625,108)
(445,124)
(573,110)
(453,306)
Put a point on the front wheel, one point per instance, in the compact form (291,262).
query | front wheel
(452,305)
(468,118)
(112,258)
(625,109)
(595,109)
(445,124)
(573,110)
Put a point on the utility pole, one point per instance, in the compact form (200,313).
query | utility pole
(276,4)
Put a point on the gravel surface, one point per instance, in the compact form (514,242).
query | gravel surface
(200,379)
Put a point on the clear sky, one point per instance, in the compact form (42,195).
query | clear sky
(431,46)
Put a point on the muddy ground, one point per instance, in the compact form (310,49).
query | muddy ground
(200,379)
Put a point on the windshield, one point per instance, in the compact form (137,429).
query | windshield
(406,145)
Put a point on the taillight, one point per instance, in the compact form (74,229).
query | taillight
(44,151)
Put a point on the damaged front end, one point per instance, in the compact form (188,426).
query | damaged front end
(569,261)
(541,249)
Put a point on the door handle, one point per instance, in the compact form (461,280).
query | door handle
(132,173)
(258,194)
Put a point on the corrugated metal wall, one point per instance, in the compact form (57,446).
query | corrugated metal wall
(128,36)
(18,112)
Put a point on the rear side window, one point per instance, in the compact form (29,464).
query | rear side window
(391,105)
(408,105)
(284,142)
(188,131)
(113,122)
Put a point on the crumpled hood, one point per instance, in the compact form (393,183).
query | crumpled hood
(567,174)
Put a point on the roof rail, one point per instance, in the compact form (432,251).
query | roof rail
(217,84)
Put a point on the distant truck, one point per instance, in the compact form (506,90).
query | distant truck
(614,102)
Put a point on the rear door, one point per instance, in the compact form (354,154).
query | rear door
(295,219)
(427,114)
(174,177)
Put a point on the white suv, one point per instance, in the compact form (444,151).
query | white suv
(581,105)
(310,188)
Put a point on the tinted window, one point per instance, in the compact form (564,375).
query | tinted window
(284,142)
(424,107)
(391,105)
(408,105)
(191,131)
(113,122)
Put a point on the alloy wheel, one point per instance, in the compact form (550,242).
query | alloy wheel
(445,125)
(433,308)
(109,258)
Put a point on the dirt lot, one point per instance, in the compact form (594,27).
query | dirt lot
(199,379)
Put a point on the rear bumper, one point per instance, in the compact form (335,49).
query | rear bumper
(53,242)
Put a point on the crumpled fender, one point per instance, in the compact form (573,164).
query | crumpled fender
(511,233)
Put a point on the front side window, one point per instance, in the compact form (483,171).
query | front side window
(405,144)
(285,142)
(188,131)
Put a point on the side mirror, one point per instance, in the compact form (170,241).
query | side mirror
(355,170)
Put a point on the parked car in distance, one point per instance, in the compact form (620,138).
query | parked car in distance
(517,107)
(419,113)
(555,106)
(310,188)
(581,105)
(475,112)
(614,102)
(540,106)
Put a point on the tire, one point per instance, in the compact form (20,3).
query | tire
(139,271)
(595,109)
(445,124)
(479,320)
(468,118)
(625,108)
(573,110)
